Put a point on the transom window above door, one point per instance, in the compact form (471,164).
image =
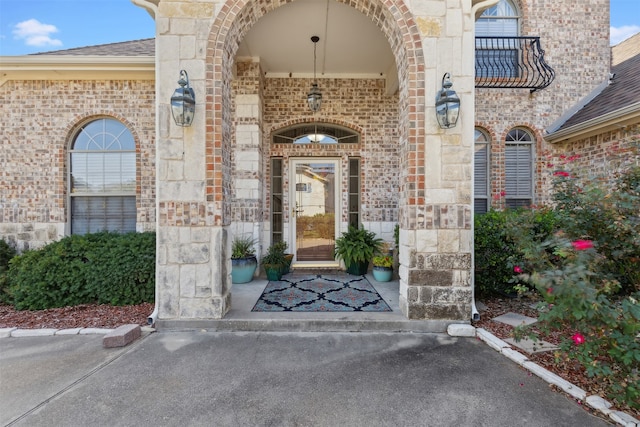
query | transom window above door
(321,133)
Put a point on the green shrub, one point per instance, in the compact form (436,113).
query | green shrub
(7,252)
(492,252)
(112,268)
(502,240)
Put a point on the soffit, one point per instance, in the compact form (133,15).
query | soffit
(350,45)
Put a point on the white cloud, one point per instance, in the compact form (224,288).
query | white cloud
(35,33)
(619,34)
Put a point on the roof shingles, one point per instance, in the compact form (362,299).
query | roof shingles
(623,90)
(144,47)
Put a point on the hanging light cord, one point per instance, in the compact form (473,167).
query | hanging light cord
(315,45)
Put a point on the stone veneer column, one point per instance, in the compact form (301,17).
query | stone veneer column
(436,229)
(192,267)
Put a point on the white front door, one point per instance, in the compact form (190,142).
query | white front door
(315,210)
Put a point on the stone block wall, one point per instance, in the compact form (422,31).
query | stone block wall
(41,117)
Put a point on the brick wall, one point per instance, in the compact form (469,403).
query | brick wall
(596,157)
(40,120)
(575,38)
(359,104)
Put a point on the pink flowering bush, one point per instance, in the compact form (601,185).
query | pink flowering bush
(577,297)
(588,275)
(581,257)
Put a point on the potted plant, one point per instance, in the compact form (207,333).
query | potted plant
(243,260)
(382,268)
(282,246)
(274,262)
(356,247)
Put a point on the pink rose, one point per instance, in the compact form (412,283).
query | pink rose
(582,245)
(517,269)
(578,338)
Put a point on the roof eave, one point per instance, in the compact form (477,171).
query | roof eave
(76,67)
(612,120)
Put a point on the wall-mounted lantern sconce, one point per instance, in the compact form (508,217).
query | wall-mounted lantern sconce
(447,104)
(183,102)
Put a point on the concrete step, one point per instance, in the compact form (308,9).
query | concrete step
(307,325)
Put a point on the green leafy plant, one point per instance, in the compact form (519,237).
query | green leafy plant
(242,247)
(275,254)
(104,268)
(357,245)
(383,261)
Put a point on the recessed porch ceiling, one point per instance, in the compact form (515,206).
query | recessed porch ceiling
(350,46)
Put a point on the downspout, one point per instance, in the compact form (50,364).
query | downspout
(476,11)
(151,7)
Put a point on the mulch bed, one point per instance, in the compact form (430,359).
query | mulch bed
(81,316)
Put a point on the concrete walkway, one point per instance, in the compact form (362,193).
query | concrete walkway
(273,379)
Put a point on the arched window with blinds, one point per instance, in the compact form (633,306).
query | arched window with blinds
(102,176)
(518,154)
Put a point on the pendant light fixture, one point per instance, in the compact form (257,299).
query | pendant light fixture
(314,97)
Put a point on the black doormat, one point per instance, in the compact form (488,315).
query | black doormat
(318,292)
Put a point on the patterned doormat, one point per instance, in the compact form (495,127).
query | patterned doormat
(317,292)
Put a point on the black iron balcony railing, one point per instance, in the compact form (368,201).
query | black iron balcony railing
(511,62)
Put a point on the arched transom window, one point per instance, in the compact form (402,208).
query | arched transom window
(321,133)
(496,43)
(498,20)
(103,178)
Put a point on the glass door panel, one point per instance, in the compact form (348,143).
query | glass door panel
(313,209)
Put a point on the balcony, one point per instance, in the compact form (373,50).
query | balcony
(511,62)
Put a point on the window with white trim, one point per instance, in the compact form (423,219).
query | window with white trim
(518,155)
(102,178)
(481,172)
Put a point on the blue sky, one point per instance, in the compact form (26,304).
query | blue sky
(30,26)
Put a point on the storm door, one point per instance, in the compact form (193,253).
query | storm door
(314,204)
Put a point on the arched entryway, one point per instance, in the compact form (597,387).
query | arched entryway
(214,178)
(239,115)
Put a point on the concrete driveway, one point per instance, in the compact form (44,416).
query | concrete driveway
(273,379)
